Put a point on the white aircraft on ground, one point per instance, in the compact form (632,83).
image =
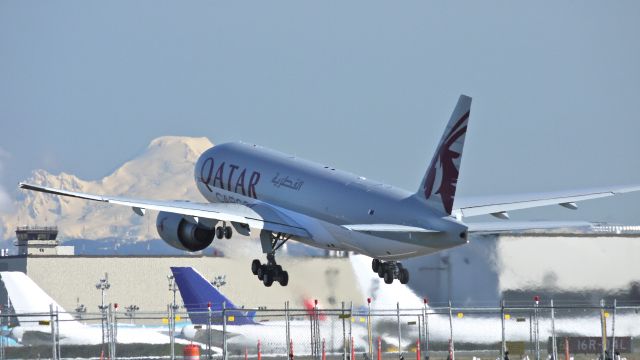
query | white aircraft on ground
(282,197)
(245,329)
(32,308)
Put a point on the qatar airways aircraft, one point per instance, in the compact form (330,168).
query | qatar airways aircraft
(277,197)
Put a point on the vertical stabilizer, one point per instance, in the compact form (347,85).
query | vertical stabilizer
(438,187)
(28,298)
(197,293)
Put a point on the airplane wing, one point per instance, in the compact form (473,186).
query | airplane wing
(258,216)
(499,206)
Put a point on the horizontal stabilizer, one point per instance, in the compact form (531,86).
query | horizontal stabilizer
(466,207)
(504,226)
(387,228)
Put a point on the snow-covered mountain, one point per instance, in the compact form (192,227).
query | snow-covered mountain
(163,171)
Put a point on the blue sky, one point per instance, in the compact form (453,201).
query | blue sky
(366,86)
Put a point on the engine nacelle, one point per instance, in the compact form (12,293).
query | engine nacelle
(182,234)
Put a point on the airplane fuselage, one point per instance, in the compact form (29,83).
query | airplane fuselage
(247,174)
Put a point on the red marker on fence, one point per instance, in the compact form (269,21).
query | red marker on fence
(291,350)
(324,351)
(353,350)
(259,353)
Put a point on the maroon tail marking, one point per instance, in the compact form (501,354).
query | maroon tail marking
(445,156)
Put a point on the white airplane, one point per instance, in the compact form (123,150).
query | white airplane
(278,197)
(245,329)
(31,305)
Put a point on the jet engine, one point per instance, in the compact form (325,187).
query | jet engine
(182,234)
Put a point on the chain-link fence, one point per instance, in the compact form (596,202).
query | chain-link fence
(532,331)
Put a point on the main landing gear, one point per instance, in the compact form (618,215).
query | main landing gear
(224,231)
(390,270)
(270,272)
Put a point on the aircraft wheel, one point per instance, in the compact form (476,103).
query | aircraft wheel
(404,276)
(267,279)
(228,232)
(284,278)
(219,232)
(381,271)
(261,271)
(375,265)
(388,277)
(255,265)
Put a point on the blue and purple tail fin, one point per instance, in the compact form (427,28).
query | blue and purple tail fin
(198,294)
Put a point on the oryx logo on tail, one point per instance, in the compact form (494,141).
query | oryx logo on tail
(438,187)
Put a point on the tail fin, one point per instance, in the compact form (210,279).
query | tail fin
(198,293)
(28,298)
(438,187)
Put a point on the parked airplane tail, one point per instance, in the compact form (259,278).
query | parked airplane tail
(198,294)
(30,302)
(438,187)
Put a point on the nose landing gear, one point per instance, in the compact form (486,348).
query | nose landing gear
(390,270)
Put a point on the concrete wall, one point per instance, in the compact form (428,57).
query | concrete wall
(143,280)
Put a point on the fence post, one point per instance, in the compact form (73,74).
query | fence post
(399,331)
(379,348)
(350,325)
(566,348)
(504,343)
(171,337)
(344,335)
(369,330)
(426,328)
(554,344)
(287,322)
(209,355)
(418,356)
(115,330)
(613,331)
(53,333)
(536,327)
(224,330)
(603,327)
(452,353)
(58,333)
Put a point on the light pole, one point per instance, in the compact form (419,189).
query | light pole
(130,311)
(219,281)
(80,310)
(103,285)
